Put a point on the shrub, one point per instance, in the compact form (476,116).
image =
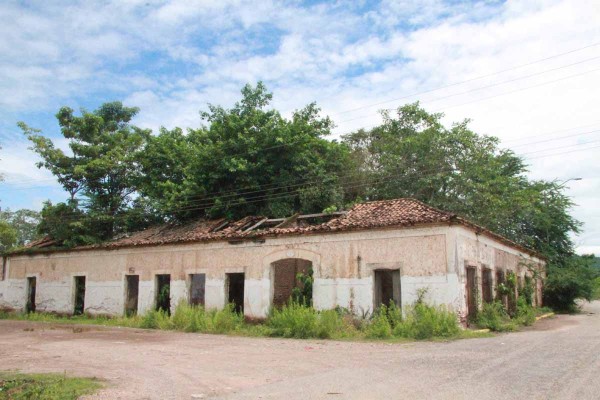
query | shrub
(493,316)
(190,318)
(525,312)
(571,280)
(226,320)
(379,327)
(330,324)
(156,320)
(293,320)
(425,321)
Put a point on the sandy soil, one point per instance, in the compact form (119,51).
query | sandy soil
(558,359)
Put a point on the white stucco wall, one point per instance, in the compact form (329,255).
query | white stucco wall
(430,257)
(481,251)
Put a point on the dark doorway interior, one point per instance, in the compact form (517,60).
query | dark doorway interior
(235,291)
(486,284)
(285,279)
(131,294)
(471,293)
(197,289)
(163,293)
(79,295)
(387,287)
(499,280)
(31,284)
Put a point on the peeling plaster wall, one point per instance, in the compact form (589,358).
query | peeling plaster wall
(481,251)
(343,266)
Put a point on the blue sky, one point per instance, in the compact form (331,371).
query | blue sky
(525,71)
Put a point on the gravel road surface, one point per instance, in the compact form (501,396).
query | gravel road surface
(559,358)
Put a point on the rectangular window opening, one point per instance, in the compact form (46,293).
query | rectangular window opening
(487,288)
(197,289)
(132,283)
(235,291)
(471,293)
(387,288)
(31,287)
(79,303)
(163,293)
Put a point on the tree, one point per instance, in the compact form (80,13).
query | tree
(8,236)
(249,160)
(455,169)
(412,154)
(24,222)
(571,280)
(101,173)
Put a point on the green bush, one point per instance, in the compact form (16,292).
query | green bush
(294,320)
(226,320)
(156,320)
(493,316)
(424,321)
(525,312)
(330,324)
(379,327)
(568,281)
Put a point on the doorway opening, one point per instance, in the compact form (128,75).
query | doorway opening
(31,285)
(486,286)
(163,293)
(387,287)
(132,288)
(471,293)
(292,277)
(197,289)
(79,302)
(235,291)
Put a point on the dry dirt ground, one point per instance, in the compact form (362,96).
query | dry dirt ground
(557,359)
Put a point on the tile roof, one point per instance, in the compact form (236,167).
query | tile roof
(370,215)
(375,214)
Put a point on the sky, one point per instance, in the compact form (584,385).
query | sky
(527,72)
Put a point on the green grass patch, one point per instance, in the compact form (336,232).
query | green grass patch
(420,321)
(495,317)
(18,386)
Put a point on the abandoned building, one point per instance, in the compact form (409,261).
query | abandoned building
(374,253)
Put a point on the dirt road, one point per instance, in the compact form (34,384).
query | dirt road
(558,359)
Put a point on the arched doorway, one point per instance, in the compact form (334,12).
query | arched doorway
(285,279)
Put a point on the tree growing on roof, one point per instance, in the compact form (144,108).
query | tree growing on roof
(248,160)
(412,154)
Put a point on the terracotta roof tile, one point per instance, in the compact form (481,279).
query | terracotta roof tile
(369,215)
(376,214)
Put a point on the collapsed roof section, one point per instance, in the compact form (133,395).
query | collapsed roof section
(376,214)
(370,215)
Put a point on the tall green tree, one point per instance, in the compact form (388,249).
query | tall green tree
(25,222)
(8,236)
(248,160)
(100,170)
(412,154)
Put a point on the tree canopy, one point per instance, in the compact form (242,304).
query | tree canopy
(101,172)
(251,160)
(412,154)
(247,160)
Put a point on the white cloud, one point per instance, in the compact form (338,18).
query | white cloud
(172,57)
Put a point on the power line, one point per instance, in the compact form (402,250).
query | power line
(470,80)
(263,198)
(486,86)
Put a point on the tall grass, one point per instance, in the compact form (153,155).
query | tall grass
(495,317)
(294,320)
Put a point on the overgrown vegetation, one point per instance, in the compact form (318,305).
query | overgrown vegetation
(18,386)
(294,320)
(250,160)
